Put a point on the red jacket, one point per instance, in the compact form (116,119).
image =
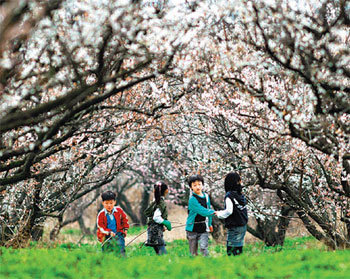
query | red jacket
(121,220)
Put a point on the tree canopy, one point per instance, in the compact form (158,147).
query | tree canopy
(162,89)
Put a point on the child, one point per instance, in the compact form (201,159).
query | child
(112,224)
(235,214)
(157,216)
(198,224)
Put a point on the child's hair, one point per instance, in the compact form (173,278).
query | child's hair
(159,190)
(194,178)
(232,182)
(108,195)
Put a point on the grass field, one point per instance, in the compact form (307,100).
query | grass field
(299,258)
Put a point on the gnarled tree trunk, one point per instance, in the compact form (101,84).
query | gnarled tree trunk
(273,230)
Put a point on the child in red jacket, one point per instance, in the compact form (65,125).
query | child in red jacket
(112,224)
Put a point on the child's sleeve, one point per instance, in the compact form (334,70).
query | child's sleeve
(124,220)
(157,216)
(102,224)
(210,218)
(222,214)
(195,206)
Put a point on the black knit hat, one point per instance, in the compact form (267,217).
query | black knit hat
(232,182)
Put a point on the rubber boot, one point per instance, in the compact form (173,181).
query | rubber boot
(230,250)
(237,250)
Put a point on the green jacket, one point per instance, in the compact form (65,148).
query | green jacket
(194,208)
(149,212)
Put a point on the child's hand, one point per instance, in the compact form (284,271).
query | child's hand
(112,234)
(211,229)
(167,224)
(125,232)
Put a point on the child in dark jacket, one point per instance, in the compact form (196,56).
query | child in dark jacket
(157,216)
(112,224)
(235,214)
(198,224)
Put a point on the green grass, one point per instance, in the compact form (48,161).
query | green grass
(299,258)
(135,230)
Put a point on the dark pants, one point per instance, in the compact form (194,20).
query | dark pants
(234,250)
(160,250)
(155,238)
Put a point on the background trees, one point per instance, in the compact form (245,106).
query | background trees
(161,90)
(293,67)
(307,48)
(68,116)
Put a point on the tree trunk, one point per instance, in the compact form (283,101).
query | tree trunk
(218,225)
(219,230)
(273,231)
(56,229)
(24,233)
(286,213)
(6,233)
(37,232)
(144,204)
(83,228)
(125,204)
(330,236)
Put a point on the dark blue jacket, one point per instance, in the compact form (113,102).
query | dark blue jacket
(239,216)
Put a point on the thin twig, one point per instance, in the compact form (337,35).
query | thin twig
(136,237)
(104,242)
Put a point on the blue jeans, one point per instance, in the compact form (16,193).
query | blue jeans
(160,250)
(115,244)
(235,236)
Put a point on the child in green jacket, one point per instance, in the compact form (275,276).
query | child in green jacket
(198,224)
